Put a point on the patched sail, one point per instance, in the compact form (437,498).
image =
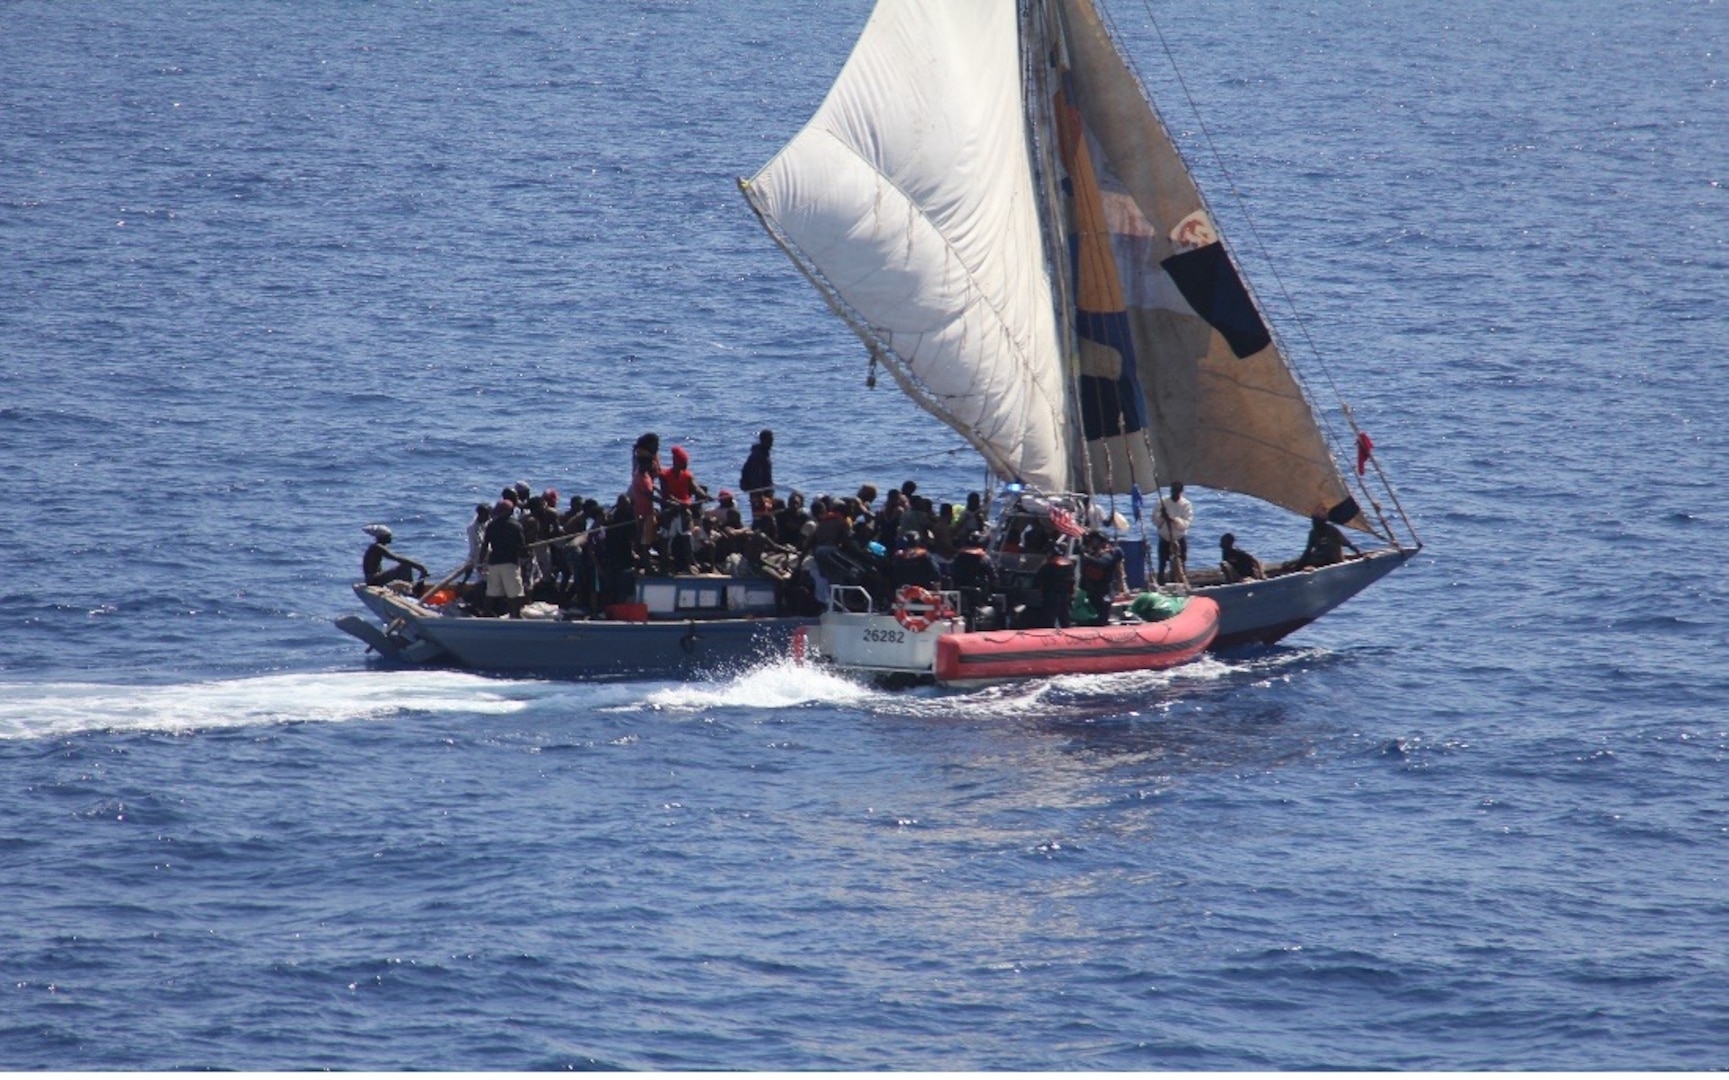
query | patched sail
(1172,345)
(909,199)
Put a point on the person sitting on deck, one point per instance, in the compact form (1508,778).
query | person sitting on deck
(791,521)
(760,555)
(372,563)
(725,514)
(1237,564)
(1326,546)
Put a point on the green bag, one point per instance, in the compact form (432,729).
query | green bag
(1157,606)
(1081,610)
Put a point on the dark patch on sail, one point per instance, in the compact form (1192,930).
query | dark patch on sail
(1110,406)
(1344,512)
(1210,284)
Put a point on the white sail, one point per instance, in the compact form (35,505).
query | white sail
(909,199)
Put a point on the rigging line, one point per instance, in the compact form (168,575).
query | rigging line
(1242,206)
(815,481)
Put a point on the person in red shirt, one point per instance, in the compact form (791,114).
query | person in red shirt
(679,494)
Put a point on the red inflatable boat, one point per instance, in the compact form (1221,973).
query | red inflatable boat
(994,655)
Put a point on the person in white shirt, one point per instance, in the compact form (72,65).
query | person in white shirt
(1173,516)
(476,527)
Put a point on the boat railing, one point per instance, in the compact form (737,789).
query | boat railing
(857,600)
(851,600)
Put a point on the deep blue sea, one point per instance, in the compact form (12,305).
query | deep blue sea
(272,272)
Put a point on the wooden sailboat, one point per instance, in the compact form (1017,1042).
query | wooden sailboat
(989,199)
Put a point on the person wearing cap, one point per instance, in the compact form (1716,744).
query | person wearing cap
(372,563)
(913,564)
(679,495)
(725,514)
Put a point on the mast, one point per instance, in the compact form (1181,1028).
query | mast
(1043,56)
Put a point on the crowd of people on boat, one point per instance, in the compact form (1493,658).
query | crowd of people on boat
(585,558)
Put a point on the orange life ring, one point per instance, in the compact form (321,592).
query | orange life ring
(916,608)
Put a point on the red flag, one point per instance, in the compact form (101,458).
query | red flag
(1065,522)
(1365,448)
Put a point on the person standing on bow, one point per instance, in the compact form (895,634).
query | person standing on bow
(1173,516)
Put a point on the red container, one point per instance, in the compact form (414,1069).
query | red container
(627,612)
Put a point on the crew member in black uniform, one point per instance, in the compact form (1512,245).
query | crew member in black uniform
(1101,574)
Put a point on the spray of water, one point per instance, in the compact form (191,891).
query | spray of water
(39,710)
(36,710)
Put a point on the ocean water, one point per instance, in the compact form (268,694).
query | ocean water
(273,272)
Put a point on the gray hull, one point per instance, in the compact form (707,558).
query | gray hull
(1250,613)
(593,650)
(1262,612)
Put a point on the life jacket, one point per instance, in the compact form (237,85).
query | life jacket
(971,568)
(1098,568)
(914,566)
(1057,574)
(677,484)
